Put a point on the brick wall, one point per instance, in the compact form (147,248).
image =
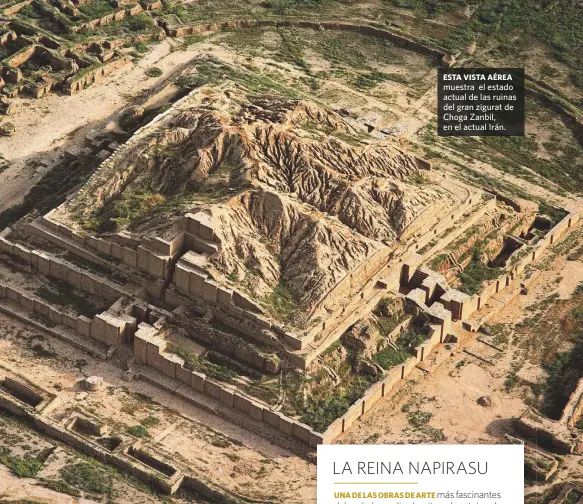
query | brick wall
(149,350)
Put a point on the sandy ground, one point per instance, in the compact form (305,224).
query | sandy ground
(449,395)
(571,277)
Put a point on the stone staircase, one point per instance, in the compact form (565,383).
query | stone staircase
(417,279)
(122,356)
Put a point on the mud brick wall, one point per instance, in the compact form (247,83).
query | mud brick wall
(37,90)
(371,396)
(149,350)
(62,270)
(197,285)
(574,407)
(383,387)
(20,57)
(355,280)
(141,258)
(110,18)
(543,430)
(84,78)
(106,327)
(231,345)
(10,11)
(424,238)
(409,263)
(193,284)
(239,320)
(510,278)
(434,337)
(119,459)
(9,36)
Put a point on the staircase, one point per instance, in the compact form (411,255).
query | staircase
(417,279)
(122,355)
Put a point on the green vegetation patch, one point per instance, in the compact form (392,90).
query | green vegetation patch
(406,344)
(390,357)
(95,9)
(474,275)
(24,467)
(282,305)
(213,71)
(153,72)
(60,486)
(123,210)
(267,389)
(372,79)
(202,365)
(86,477)
(564,371)
(150,421)
(321,412)
(138,430)
(557,24)
(61,293)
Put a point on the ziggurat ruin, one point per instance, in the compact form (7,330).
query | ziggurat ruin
(261,252)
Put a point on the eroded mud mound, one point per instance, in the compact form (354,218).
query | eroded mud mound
(296,196)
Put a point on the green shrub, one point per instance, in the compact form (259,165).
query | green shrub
(389,357)
(475,274)
(320,414)
(141,22)
(418,419)
(282,304)
(138,430)
(189,82)
(141,47)
(406,343)
(154,72)
(150,421)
